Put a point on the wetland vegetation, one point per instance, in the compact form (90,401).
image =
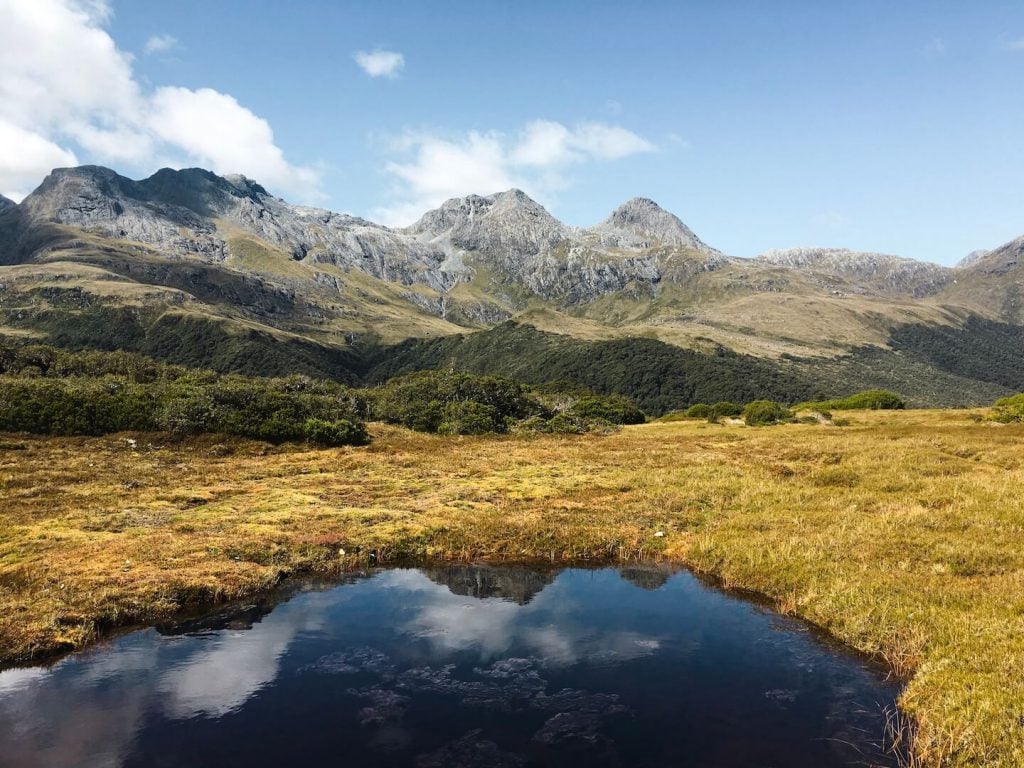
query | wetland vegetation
(900,533)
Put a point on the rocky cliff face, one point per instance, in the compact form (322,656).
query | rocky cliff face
(518,242)
(999,261)
(506,238)
(641,223)
(473,261)
(865,272)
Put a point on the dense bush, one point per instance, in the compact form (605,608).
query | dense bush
(659,377)
(469,418)
(724,410)
(75,406)
(871,399)
(698,411)
(461,402)
(337,432)
(615,409)
(564,423)
(761,413)
(61,393)
(1009,409)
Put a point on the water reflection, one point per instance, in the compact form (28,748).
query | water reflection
(458,666)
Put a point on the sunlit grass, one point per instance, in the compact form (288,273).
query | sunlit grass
(902,534)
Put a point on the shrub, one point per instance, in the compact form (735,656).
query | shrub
(332,433)
(191,414)
(698,411)
(74,406)
(615,409)
(724,409)
(469,418)
(1009,409)
(427,399)
(276,410)
(871,399)
(567,424)
(764,412)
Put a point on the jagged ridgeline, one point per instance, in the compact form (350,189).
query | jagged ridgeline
(215,272)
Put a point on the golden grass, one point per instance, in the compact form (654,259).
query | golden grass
(902,534)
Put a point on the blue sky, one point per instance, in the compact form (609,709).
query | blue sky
(887,126)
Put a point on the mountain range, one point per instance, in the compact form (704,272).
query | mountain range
(212,270)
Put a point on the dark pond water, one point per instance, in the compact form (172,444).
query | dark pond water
(456,667)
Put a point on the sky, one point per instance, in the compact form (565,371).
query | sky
(876,125)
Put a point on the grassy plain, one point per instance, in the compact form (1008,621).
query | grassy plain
(902,533)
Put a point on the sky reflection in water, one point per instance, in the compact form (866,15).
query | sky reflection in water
(459,666)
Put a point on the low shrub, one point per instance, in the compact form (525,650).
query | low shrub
(765,412)
(333,433)
(724,410)
(698,411)
(615,409)
(1008,409)
(426,400)
(469,418)
(871,399)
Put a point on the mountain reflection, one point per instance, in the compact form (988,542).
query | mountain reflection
(518,585)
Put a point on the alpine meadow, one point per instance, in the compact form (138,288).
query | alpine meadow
(333,428)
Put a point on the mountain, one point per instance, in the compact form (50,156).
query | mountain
(5,203)
(865,273)
(213,270)
(642,223)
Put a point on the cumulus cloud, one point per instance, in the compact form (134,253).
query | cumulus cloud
(380,63)
(24,158)
(224,136)
(67,90)
(161,44)
(431,168)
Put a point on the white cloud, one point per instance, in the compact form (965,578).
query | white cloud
(380,63)
(26,157)
(161,44)
(434,168)
(224,136)
(1016,44)
(65,86)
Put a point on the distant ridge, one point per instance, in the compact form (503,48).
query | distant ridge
(214,270)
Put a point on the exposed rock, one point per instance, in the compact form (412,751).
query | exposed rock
(973,256)
(6,203)
(878,271)
(998,261)
(642,223)
(275,260)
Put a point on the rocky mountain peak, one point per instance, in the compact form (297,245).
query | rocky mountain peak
(6,203)
(999,261)
(642,223)
(973,257)
(880,271)
(475,211)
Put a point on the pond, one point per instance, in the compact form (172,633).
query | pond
(460,666)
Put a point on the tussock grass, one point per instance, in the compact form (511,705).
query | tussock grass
(902,533)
